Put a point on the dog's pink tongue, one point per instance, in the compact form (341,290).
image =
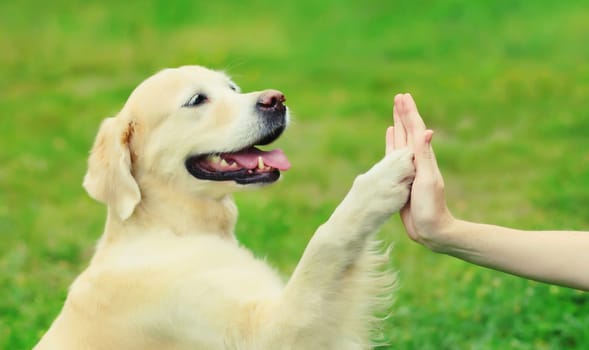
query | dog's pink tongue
(249,158)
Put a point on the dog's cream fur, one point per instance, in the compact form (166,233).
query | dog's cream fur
(168,272)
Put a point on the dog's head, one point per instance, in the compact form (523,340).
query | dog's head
(192,130)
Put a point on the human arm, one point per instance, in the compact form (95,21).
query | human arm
(559,257)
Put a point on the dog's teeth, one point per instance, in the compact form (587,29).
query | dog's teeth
(260,163)
(233,165)
(224,163)
(215,159)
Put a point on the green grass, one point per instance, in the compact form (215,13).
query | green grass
(503,83)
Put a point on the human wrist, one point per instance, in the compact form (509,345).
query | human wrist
(441,236)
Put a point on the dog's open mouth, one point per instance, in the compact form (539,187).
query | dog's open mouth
(246,166)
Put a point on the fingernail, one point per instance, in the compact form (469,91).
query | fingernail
(429,134)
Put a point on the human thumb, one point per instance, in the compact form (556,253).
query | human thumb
(425,160)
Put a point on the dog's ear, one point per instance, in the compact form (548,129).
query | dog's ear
(109,178)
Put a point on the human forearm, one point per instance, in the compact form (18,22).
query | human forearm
(559,257)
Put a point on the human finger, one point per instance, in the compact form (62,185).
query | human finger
(425,160)
(411,120)
(400,135)
(432,156)
(390,140)
(414,119)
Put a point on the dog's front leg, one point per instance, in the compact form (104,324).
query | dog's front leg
(326,303)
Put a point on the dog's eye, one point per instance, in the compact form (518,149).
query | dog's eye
(196,100)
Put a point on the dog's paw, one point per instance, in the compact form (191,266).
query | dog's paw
(384,189)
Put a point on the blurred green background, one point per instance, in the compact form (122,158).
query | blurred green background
(505,84)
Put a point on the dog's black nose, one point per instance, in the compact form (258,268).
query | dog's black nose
(272,112)
(271,102)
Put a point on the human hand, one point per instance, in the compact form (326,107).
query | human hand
(426,216)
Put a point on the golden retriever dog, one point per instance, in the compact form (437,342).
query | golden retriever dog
(168,272)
